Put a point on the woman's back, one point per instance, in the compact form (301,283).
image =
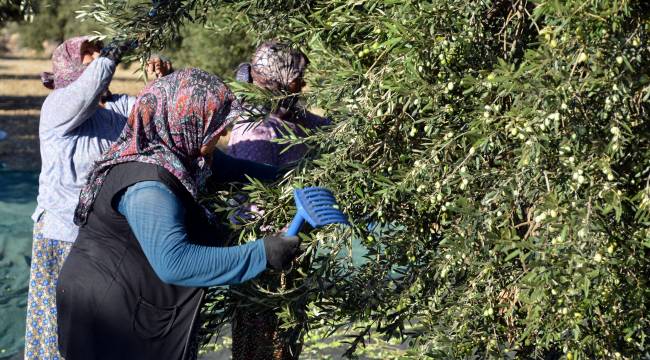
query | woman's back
(142,317)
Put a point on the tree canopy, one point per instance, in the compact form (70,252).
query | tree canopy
(493,158)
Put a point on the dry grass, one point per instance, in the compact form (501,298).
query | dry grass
(21,97)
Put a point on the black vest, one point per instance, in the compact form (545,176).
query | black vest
(110,302)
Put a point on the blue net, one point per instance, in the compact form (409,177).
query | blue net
(18,190)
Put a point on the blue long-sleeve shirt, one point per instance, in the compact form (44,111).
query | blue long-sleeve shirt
(156,217)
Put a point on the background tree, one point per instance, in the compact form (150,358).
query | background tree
(207,44)
(493,156)
(15,10)
(212,46)
(50,20)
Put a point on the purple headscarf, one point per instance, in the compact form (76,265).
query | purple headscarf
(173,117)
(67,63)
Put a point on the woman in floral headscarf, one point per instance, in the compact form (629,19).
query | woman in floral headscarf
(73,131)
(132,284)
(280,69)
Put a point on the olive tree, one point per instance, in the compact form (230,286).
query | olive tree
(493,158)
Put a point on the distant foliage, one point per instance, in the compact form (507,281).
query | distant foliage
(494,156)
(205,44)
(53,20)
(15,10)
(212,47)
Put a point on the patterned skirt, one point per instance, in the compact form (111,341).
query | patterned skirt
(47,259)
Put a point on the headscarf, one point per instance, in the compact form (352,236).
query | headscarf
(173,117)
(67,63)
(274,66)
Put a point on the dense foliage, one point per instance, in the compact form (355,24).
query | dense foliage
(493,156)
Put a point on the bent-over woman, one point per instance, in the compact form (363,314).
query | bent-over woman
(131,287)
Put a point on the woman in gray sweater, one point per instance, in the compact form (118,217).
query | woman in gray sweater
(74,130)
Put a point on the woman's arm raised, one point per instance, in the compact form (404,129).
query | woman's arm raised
(67,108)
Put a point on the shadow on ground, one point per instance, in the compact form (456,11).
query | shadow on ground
(38,77)
(20,149)
(8,102)
(6,56)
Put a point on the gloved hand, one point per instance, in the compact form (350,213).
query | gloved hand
(280,250)
(116,49)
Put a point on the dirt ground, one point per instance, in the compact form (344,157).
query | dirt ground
(21,98)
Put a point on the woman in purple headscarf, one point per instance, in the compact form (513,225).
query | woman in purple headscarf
(131,286)
(278,68)
(74,130)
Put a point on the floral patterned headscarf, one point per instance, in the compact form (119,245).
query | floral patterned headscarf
(67,63)
(172,119)
(274,66)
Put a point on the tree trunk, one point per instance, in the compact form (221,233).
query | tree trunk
(258,336)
